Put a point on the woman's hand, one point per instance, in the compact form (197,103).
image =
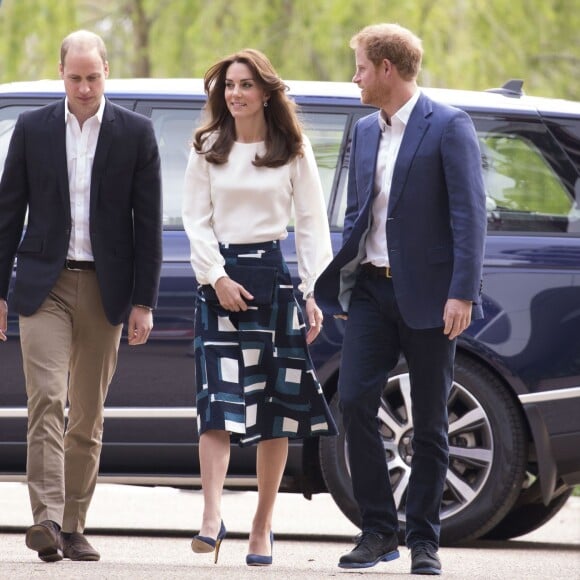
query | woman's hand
(3,319)
(315,317)
(232,296)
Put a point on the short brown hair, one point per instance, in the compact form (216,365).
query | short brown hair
(84,40)
(392,42)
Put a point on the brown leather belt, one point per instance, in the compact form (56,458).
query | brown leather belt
(78,266)
(376,271)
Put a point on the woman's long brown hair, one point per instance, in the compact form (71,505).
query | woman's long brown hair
(284,131)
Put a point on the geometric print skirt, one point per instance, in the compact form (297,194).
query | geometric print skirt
(255,378)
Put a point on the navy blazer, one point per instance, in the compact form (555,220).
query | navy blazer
(436,217)
(125,209)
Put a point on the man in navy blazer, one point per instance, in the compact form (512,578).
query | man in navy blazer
(86,173)
(408,281)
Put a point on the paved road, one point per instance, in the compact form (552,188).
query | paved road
(144,534)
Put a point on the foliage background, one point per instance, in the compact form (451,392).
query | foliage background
(471,44)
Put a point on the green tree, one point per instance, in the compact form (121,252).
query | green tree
(30,35)
(471,44)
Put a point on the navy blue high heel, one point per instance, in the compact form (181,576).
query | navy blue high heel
(257,560)
(205,544)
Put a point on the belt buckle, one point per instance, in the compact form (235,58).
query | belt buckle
(388,273)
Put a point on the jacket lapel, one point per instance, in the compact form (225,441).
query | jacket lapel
(102,152)
(414,133)
(367,158)
(57,130)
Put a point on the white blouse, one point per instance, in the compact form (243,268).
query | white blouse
(239,203)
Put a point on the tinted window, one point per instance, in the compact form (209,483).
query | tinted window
(174,131)
(524,172)
(567,132)
(326,132)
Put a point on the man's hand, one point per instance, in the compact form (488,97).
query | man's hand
(3,319)
(456,316)
(140,325)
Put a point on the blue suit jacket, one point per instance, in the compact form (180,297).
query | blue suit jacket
(436,217)
(125,209)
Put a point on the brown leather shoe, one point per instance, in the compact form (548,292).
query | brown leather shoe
(76,547)
(45,539)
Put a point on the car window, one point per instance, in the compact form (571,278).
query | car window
(567,132)
(174,132)
(524,193)
(530,182)
(326,133)
(524,173)
(531,186)
(8,118)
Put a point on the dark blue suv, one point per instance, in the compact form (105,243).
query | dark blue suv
(517,379)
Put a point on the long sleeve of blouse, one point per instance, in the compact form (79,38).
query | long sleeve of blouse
(239,203)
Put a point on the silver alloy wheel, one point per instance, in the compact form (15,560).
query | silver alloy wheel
(470,444)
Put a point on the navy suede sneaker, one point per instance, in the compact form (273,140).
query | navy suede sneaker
(371,548)
(425,559)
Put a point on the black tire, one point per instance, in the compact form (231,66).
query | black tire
(525,517)
(488,452)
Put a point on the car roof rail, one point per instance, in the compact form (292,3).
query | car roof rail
(513,88)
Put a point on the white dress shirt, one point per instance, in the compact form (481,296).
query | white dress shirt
(81,145)
(239,203)
(391,139)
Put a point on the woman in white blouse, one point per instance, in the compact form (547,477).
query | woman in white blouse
(250,164)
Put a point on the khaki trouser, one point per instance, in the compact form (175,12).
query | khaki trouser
(69,350)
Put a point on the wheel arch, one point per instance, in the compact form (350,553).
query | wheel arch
(537,433)
(514,387)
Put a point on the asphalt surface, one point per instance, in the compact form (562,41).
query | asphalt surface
(144,533)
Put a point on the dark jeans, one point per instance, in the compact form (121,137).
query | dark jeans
(375,336)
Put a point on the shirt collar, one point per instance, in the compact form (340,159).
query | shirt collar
(403,113)
(99,114)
